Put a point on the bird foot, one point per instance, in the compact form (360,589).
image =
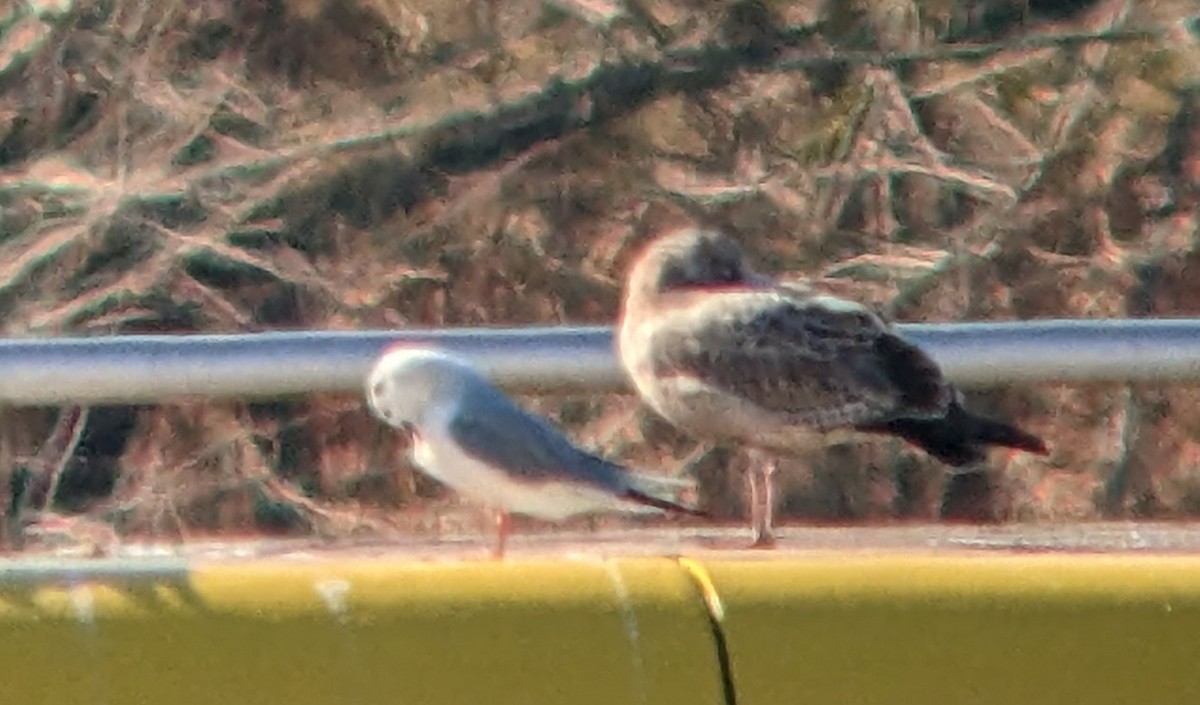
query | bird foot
(764,542)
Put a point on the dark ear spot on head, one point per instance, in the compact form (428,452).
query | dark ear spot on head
(730,257)
(377,389)
(670,277)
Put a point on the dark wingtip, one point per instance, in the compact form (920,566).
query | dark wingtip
(960,437)
(1030,443)
(663,504)
(999,433)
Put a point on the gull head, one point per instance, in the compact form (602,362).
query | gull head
(690,258)
(407,383)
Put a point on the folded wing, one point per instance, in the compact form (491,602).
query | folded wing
(493,429)
(823,363)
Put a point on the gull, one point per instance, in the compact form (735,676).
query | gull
(471,437)
(728,354)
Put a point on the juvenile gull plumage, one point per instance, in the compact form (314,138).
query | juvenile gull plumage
(726,353)
(474,439)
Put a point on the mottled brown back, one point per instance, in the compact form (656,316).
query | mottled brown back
(824,367)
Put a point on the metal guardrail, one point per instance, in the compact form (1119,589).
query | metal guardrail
(144,369)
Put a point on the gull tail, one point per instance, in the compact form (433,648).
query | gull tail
(635,495)
(651,490)
(658,484)
(639,491)
(960,437)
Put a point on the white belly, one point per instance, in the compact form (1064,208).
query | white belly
(445,462)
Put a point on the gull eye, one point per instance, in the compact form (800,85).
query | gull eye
(378,389)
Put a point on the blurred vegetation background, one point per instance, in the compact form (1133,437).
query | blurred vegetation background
(249,165)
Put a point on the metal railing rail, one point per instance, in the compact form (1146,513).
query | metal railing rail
(147,369)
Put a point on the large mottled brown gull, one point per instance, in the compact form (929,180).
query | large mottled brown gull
(728,354)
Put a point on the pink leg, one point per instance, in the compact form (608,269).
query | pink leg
(503,527)
(762,498)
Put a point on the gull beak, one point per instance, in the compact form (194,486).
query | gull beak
(409,431)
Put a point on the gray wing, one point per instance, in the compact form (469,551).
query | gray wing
(493,429)
(823,365)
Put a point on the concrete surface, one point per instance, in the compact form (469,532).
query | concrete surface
(729,541)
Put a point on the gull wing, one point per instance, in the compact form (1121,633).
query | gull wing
(494,430)
(822,361)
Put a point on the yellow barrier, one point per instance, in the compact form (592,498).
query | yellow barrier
(570,632)
(1002,629)
(815,628)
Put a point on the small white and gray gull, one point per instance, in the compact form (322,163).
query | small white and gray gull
(728,354)
(471,437)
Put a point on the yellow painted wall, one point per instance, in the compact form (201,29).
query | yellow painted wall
(1002,629)
(817,628)
(356,633)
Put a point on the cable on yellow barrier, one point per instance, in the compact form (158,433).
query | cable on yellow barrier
(326,631)
(708,591)
(716,615)
(862,628)
(981,629)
